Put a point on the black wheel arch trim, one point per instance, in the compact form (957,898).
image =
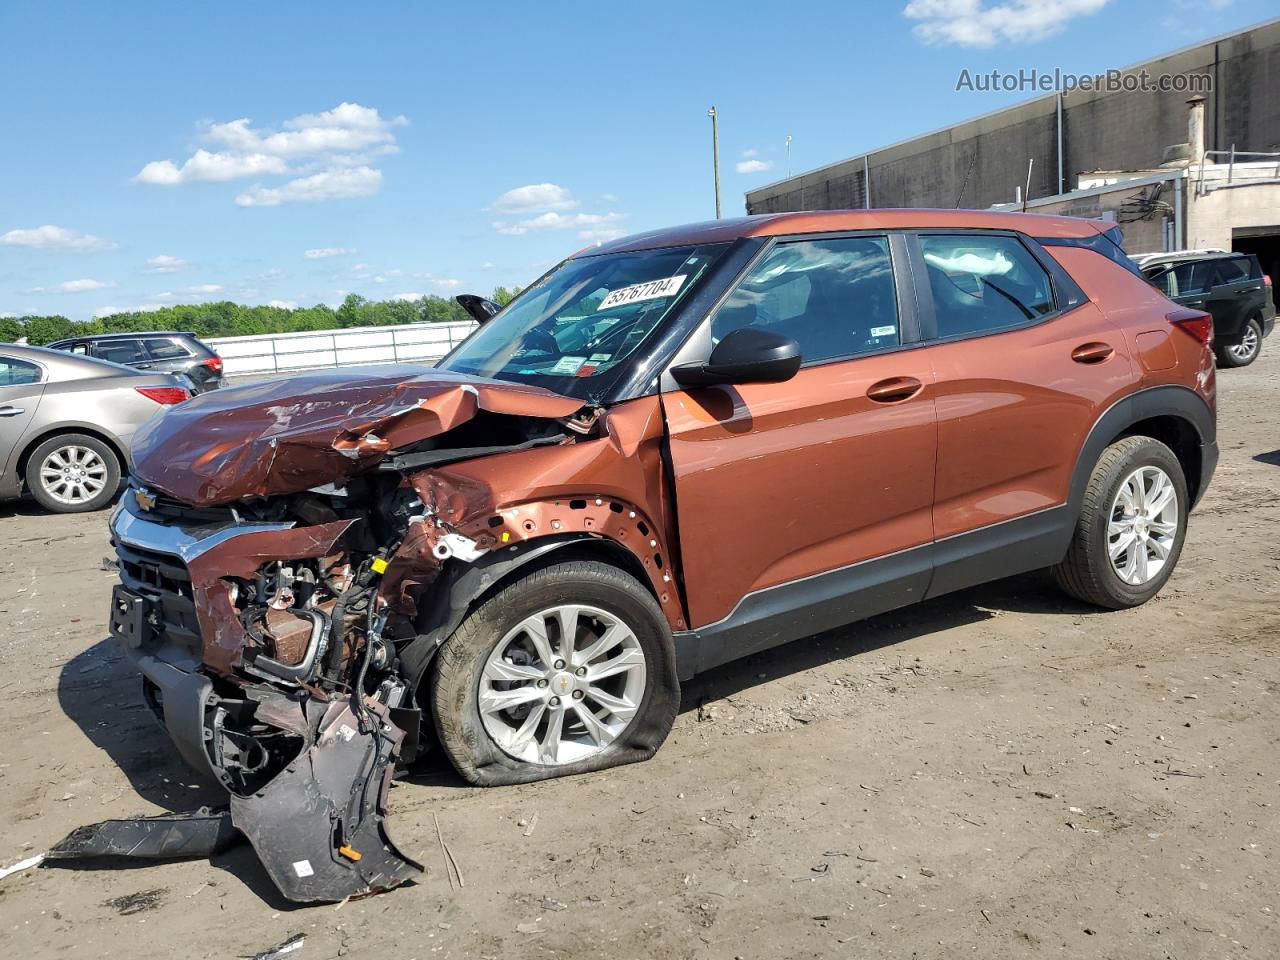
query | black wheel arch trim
(457,589)
(1161,401)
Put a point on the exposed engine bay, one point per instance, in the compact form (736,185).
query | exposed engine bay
(291,556)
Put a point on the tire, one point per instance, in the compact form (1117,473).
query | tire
(1087,572)
(1243,353)
(465,672)
(73,473)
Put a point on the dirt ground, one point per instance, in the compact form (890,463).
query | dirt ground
(1001,773)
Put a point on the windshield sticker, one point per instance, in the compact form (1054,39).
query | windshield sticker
(567,365)
(652,290)
(600,358)
(586,370)
(883,331)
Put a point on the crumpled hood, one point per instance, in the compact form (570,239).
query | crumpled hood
(288,435)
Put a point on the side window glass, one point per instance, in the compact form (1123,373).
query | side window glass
(81,348)
(14,372)
(1194,277)
(165,349)
(120,351)
(836,297)
(983,284)
(1232,270)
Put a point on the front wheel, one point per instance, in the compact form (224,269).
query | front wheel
(566,670)
(1244,352)
(1131,527)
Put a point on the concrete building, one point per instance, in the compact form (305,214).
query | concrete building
(982,162)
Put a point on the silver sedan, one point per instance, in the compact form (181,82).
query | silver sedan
(66,422)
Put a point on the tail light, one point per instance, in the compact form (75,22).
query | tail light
(164,395)
(1266,279)
(1194,323)
(214,363)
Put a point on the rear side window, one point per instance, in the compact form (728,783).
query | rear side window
(120,351)
(836,297)
(166,349)
(15,373)
(1233,270)
(983,284)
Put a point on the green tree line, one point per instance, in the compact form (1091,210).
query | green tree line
(227,319)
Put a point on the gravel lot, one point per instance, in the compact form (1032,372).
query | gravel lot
(1001,773)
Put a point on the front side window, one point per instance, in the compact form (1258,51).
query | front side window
(984,284)
(165,349)
(574,330)
(15,373)
(120,351)
(836,298)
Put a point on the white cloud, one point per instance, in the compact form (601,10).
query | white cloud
(975,23)
(329,155)
(750,152)
(284,304)
(486,265)
(555,221)
(207,167)
(166,295)
(50,237)
(321,253)
(346,128)
(535,197)
(412,295)
(205,288)
(753,166)
(329,185)
(447,283)
(166,264)
(75,286)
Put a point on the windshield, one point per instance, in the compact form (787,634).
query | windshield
(574,329)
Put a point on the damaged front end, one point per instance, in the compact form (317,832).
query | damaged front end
(291,555)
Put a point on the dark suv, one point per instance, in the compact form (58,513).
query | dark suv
(1229,286)
(670,451)
(179,353)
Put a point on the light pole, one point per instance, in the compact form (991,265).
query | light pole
(788,145)
(715,154)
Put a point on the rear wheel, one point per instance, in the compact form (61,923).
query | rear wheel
(1244,352)
(1131,527)
(567,670)
(73,473)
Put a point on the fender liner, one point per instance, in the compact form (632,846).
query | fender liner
(1162,401)
(458,587)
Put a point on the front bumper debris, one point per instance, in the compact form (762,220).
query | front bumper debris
(319,826)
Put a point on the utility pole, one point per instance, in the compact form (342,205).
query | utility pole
(788,145)
(715,154)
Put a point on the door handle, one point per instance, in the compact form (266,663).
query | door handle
(894,390)
(1092,353)
(11,411)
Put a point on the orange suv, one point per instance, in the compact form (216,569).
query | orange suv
(672,450)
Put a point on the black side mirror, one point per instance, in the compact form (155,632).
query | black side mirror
(478,308)
(745,355)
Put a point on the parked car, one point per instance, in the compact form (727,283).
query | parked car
(161,352)
(1229,286)
(670,451)
(66,423)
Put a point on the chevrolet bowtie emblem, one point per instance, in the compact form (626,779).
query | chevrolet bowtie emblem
(144,500)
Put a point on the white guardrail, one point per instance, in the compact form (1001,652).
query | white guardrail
(312,349)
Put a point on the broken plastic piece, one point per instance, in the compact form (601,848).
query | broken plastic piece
(329,800)
(170,836)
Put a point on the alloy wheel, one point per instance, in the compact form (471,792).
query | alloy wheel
(1143,526)
(73,474)
(1243,351)
(562,685)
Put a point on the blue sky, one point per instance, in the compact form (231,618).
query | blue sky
(293,152)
